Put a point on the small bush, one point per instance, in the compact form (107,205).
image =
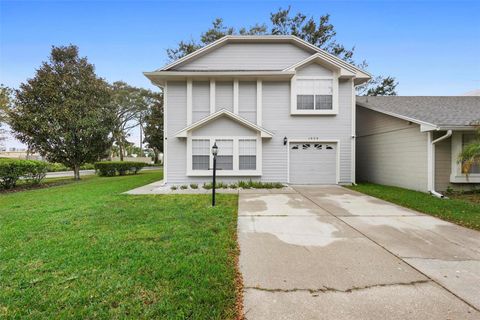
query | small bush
(193,185)
(173,188)
(259,185)
(112,168)
(13,169)
(183,187)
(233,186)
(208,186)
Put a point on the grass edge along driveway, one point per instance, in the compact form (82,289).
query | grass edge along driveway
(84,250)
(461,212)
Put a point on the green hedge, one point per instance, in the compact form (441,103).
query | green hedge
(13,169)
(112,168)
(56,167)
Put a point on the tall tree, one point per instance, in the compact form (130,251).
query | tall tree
(154,127)
(5,103)
(130,106)
(319,32)
(64,111)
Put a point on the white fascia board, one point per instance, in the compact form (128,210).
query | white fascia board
(396,115)
(263,133)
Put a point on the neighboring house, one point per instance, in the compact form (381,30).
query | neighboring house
(279,109)
(414,142)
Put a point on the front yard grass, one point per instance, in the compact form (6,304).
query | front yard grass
(84,250)
(458,211)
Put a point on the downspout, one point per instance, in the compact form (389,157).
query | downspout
(431,162)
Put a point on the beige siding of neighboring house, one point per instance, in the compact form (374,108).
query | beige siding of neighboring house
(248,56)
(390,151)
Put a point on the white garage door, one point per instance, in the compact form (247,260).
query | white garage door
(313,163)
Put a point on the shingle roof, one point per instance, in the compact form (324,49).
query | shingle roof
(439,111)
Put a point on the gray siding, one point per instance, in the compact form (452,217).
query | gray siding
(177,120)
(247,100)
(200,100)
(390,151)
(224,127)
(249,56)
(314,69)
(224,95)
(276,118)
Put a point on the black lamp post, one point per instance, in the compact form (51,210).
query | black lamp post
(214,153)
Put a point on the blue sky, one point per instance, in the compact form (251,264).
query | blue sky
(431,47)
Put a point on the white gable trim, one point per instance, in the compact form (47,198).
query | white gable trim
(272,38)
(317,57)
(184,132)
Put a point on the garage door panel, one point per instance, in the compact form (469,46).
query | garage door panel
(313,163)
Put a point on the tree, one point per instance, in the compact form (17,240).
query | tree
(130,106)
(64,111)
(319,32)
(154,127)
(5,103)
(470,154)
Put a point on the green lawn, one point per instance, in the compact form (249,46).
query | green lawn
(84,250)
(459,211)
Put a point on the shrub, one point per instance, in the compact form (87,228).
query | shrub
(56,167)
(183,187)
(259,185)
(13,169)
(208,186)
(111,168)
(173,187)
(193,185)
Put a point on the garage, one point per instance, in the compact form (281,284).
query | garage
(313,162)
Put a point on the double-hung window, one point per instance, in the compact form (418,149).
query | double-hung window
(247,153)
(314,94)
(237,156)
(200,154)
(225,154)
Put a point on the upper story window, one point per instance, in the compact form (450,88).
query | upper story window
(314,94)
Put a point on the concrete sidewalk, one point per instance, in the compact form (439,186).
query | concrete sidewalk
(331,253)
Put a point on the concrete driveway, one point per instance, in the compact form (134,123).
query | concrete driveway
(326,252)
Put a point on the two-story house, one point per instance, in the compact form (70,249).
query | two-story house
(278,108)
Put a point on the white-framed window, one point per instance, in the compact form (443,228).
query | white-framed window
(457,175)
(247,153)
(237,156)
(200,154)
(467,138)
(225,154)
(314,95)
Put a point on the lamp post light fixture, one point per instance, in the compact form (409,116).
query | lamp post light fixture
(285,140)
(214,153)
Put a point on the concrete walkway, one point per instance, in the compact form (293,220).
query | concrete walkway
(331,253)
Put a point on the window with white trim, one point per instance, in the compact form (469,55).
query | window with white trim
(314,94)
(467,139)
(247,154)
(225,154)
(200,154)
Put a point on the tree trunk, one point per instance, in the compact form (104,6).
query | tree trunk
(156,154)
(76,172)
(120,147)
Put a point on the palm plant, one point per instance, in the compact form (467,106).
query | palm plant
(470,154)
